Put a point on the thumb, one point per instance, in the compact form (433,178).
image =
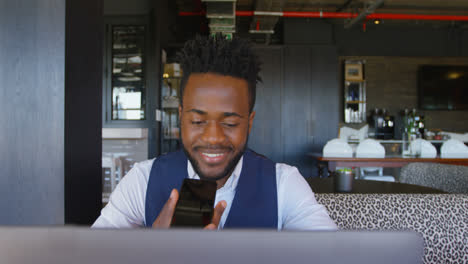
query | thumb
(167,212)
(217,213)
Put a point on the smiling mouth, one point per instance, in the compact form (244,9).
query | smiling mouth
(213,158)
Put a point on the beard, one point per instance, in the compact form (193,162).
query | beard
(226,172)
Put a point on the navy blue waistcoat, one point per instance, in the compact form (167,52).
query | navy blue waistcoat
(255,204)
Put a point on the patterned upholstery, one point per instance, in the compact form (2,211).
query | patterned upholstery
(448,178)
(442,219)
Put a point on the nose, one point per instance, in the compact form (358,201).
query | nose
(213,133)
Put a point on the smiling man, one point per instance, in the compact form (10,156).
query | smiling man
(216,116)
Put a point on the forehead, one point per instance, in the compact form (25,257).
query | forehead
(215,92)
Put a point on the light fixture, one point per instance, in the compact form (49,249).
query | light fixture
(377,21)
(454,75)
(222,16)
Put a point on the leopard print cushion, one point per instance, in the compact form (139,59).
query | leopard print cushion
(442,219)
(454,179)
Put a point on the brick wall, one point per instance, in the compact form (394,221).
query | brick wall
(392,84)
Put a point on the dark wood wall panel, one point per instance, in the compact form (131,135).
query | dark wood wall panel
(265,137)
(32,43)
(297,107)
(325,98)
(325,95)
(297,104)
(83,119)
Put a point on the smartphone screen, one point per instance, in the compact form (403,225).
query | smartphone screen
(195,205)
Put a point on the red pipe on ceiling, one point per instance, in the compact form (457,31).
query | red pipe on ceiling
(388,16)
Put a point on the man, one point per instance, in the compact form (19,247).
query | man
(216,116)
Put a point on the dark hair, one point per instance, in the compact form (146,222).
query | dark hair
(216,54)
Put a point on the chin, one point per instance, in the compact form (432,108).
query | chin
(214,173)
(211,175)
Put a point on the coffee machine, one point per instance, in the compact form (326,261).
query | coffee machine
(383,124)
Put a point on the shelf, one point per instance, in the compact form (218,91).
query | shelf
(355,81)
(355,102)
(127,55)
(354,93)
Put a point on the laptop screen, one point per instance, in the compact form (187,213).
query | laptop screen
(72,245)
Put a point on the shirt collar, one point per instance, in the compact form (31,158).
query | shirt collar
(230,184)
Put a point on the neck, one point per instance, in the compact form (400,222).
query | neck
(220,183)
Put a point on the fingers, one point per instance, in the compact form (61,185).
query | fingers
(165,216)
(217,213)
(210,227)
(167,212)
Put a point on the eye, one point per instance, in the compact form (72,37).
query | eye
(230,124)
(197,122)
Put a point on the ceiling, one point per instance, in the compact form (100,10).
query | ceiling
(314,5)
(268,23)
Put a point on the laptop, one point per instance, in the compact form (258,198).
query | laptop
(74,245)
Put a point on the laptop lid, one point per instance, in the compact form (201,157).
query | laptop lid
(72,245)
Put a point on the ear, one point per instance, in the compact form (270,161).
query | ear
(251,119)
(180,112)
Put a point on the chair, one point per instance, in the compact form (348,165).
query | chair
(337,148)
(371,148)
(347,133)
(108,175)
(366,172)
(453,148)
(426,149)
(448,178)
(458,136)
(114,169)
(123,165)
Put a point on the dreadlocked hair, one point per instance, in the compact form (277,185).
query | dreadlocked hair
(216,54)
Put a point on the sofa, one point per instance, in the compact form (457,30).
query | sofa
(454,179)
(441,219)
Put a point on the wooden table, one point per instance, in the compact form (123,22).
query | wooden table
(388,162)
(326,185)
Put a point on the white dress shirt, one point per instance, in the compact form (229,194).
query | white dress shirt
(297,207)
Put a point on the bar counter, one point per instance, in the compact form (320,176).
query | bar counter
(396,161)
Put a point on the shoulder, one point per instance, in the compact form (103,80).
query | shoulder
(142,169)
(291,183)
(136,180)
(285,172)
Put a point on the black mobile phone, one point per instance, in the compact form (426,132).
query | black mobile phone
(195,205)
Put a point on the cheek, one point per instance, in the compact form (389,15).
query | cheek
(188,133)
(237,136)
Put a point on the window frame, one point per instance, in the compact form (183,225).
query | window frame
(107,121)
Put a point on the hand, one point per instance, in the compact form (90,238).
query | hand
(164,218)
(218,212)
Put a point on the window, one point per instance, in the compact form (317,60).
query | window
(128,73)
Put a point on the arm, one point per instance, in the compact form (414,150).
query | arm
(297,206)
(126,207)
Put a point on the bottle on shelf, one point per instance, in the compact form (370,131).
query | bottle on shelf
(388,125)
(354,92)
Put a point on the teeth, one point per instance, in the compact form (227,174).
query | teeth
(212,155)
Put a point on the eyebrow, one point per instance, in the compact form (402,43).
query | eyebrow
(226,114)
